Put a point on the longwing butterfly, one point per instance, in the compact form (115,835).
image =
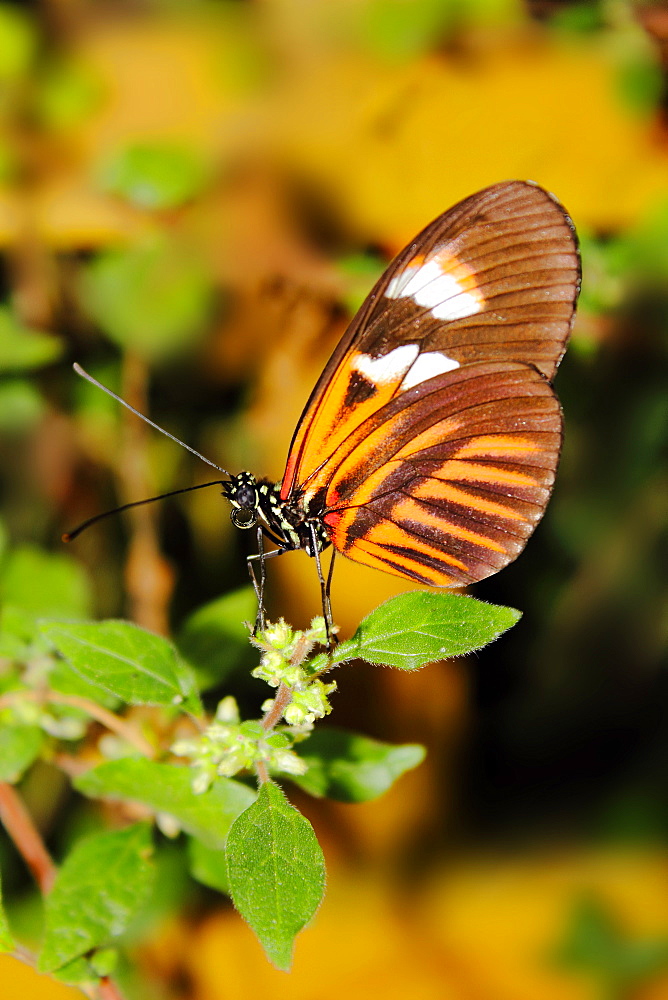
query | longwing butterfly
(429,445)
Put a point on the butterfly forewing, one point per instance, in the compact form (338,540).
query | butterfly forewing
(429,445)
(494,278)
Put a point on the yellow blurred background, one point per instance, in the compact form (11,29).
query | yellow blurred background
(194,197)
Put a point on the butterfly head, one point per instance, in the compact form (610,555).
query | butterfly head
(242,493)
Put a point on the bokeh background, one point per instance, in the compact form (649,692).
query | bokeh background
(194,197)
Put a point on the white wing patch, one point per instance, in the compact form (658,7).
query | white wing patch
(441,284)
(427,366)
(387,368)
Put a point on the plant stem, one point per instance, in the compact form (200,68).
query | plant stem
(278,706)
(18,823)
(102,715)
(108,990)
(271,717)
(262,772)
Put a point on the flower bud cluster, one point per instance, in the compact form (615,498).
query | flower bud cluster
(228,746)
(282,662)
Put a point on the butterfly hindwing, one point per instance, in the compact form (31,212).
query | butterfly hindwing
(446,485)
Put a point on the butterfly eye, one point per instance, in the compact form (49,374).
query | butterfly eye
(244,517)
(245,496)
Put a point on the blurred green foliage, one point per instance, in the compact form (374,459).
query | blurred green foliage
(155,177)
(18,43)
(153,297)
(595,946)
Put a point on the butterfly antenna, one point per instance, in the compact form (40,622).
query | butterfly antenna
(89,378)
(69,536)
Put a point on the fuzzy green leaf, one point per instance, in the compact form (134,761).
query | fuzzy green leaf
(420,627)
(352,768)
(102,884)
(129,662)
(276,871)
(167,788)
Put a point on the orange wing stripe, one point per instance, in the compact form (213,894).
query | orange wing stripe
(498,445)
(409,510)
(475,473)
(437,489)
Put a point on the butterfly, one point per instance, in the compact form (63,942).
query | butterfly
(429,445)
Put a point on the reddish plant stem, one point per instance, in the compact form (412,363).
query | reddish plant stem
(18,823)
(279,704)
(271,717)
(262,772)
(108,990)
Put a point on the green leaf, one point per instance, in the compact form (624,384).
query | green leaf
(135,665)
(6,939)
(21,406)
(21,348)
(45,584)
(419,627)
(18,632)
(214,639)
(167,788)
(77,973)
(154,297)
(104,961)
(208,865)
(100,887)
(352,768)
(19,746)
(276,871)
(156,176)
(64,680)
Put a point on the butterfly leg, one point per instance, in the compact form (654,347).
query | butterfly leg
(325,586)
(259,584)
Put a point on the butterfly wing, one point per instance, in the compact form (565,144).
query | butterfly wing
(494,278)
(445,484)
(430,442)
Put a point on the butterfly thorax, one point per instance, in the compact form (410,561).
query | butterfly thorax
(286,522)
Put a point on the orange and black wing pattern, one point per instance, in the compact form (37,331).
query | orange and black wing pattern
(430,443)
